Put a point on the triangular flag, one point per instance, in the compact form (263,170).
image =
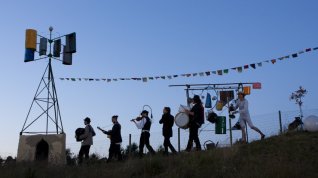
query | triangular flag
(213,72)
(234,68)
(267,61)
(281,58)
(315,48)
(67,78)
(308,49)
(150,78)
(201,74)
(73,79)
(239,69)
(115,79)
(259,64)
(85,79)
(104,79)
(175,76)
(301,52)
(273,61)
(253,66)
(226,71)
(183,75)
(195,74)
(286,57)
(257,85)
(219,72)
(169,77)
(61,78)
(144,79)
(91,79)
(97,79)
(207,73)
(79,79)
(245,66)
(163,77)
(157,77)
(188,75)
(109,80)
(127,78)
(294,55)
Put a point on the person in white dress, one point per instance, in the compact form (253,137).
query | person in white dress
(242,106)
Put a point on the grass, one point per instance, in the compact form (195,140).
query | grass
(289,155)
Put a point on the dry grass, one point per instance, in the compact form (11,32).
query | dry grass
(288,155)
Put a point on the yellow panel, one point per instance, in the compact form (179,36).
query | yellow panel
(30,39)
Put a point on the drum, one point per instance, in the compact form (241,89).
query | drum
(182,120)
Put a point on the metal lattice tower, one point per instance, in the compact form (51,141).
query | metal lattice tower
(45,106)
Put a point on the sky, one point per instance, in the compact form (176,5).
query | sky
(153,38)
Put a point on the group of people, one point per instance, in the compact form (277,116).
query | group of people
(143,122)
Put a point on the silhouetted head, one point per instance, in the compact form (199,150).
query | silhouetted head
(87,120)
(166,110)
(114,118)
(144,113)
(196,99)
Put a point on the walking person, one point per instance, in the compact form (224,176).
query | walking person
(87,140)
(167,122)
(115,139)
(242,106)
(144,123)
(196,119)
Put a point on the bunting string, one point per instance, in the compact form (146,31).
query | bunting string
(219,72)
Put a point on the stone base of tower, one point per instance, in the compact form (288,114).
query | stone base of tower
(44,148)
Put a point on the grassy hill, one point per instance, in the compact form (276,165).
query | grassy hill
(288,155)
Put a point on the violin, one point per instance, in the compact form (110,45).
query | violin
(139,118)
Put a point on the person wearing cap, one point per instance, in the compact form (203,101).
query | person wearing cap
(144,123)
(242,106)
(115,139)
(196,117)
(167,121)
(87,140)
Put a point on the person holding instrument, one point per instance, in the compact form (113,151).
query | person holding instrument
(196,115)
(115,139)
(242,106)
(144,123)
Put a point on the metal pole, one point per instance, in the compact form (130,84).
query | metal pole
(179,149)
(280,122)
(246,132)
(48,86)
(129,150)
(301,114)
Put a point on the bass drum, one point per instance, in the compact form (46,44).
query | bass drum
(78,133)
(182,120)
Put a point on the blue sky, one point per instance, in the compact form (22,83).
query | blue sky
(149,38)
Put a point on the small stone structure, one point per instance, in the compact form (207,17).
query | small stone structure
(47,148)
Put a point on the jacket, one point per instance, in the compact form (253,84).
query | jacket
(167,120)
(115,133)
(88,135)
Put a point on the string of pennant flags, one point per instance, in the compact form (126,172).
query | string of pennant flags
(219,72)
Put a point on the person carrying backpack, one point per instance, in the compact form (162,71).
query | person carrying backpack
(87,140)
